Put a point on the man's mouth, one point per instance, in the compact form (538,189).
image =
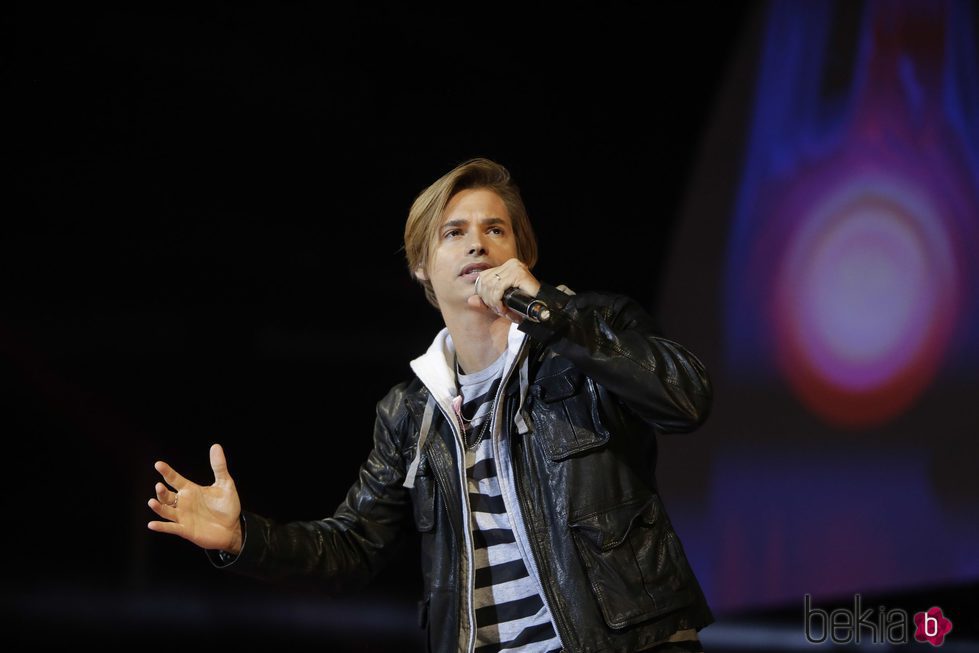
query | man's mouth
(470,272)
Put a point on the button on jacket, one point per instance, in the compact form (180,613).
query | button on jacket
(574,436)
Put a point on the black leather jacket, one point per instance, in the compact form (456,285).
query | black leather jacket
(598,388)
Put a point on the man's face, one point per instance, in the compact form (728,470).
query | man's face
(475,234)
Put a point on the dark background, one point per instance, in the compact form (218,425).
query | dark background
(201,242)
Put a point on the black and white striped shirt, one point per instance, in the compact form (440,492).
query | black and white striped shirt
(510,612)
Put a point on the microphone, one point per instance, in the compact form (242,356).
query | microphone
(524,304)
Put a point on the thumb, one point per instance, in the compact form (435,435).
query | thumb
(219,465)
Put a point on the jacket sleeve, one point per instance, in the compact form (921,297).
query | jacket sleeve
(345,550)
(612,340)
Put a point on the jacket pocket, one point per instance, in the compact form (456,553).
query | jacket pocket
(566,416)
(631,556)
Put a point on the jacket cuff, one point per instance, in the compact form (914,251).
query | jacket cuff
(224,559)
(556,299)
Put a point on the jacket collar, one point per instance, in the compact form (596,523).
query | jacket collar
(436,367)
(436,370)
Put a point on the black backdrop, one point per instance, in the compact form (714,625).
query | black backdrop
(201,233)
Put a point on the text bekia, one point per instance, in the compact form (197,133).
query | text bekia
(845,626)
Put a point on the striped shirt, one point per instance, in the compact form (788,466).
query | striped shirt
(510,612)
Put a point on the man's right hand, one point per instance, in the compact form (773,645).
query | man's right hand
(208,516)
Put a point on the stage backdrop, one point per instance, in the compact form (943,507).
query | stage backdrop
(826,268)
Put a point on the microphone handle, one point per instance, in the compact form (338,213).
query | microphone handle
(524,304)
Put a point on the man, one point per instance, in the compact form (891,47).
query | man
(524,451)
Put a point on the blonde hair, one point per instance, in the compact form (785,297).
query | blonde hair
(425,216)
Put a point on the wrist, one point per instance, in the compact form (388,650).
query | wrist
(237,538)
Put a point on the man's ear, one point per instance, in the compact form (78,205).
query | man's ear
(420,273)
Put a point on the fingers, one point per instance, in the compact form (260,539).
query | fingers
(521,277)
(166,527)
(493,282)
(166,500)
(170,475)
(477,302)
(163,510)
(489,289)
(219,464)
(165,496)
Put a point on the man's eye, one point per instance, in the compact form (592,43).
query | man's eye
(497,230)
(452,232)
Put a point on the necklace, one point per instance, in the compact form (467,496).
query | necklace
(467,427)
(479,436)
(463,417)
(467,424)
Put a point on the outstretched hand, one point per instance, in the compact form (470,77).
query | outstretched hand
(208,516)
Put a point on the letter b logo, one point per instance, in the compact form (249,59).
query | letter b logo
(932,626)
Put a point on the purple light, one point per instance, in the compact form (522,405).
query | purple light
(866,284)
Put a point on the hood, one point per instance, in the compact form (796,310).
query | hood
(436,370)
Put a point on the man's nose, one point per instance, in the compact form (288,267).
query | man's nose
(476,245)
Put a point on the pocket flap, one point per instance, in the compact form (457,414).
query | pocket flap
(608,529)
(557,386)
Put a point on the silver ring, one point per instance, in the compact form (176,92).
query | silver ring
(174,504)
(498,277)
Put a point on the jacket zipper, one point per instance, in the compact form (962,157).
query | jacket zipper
(534,558)
(466,528)
(559,621)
